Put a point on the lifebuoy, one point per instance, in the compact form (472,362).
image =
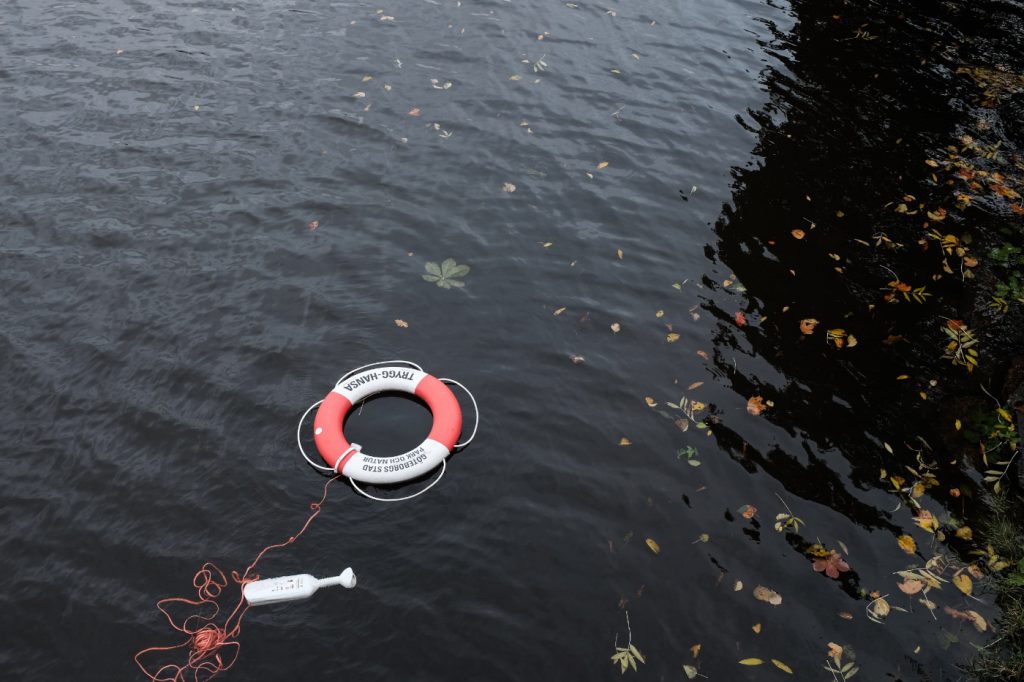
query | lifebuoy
(349,459)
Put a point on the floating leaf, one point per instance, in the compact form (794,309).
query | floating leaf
(690,672)
(650,401)
(415,111)
(807,326)
(748,511)
(616,327)
(756,627)
(446,274)
(654,546)
(798,233)
(508,187)
(782,666)
(907,544)
(577,359)
(751,661)
(755,405)
(672,337)
(401,323)
(603,164)
(963,583)
(741,319)
(910,586)
(738,586)
(767,595)
(559,311)
(618,252)
(625,441)
(659,313)
(964,532)
(832,565)
(694,385)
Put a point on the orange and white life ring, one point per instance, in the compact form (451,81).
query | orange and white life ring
(350,461)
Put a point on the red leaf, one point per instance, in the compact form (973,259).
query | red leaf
(833,565)
(741,319)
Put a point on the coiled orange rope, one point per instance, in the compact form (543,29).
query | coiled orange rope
(212,648)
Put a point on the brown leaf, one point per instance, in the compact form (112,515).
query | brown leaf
(798,233)
(755,405)
(767,595)
(833,565)
(910,586)
(807,326)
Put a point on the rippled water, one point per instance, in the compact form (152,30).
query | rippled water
(170,308)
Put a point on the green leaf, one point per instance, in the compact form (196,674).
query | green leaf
(434,269)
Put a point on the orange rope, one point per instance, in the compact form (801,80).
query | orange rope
(212,648)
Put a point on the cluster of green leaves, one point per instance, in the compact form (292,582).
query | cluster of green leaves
(447,274)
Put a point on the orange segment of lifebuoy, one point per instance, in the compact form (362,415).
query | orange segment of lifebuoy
(445,408)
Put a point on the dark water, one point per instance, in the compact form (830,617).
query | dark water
(169,311)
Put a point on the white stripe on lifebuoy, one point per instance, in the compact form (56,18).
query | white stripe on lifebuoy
(407,466)
(378,380)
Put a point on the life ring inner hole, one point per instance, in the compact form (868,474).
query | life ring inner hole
(388,423)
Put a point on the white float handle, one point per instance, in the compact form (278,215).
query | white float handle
(398,499)
(375,364)
(475,409)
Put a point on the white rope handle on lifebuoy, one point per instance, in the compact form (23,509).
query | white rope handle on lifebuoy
(444,467)
(476,411)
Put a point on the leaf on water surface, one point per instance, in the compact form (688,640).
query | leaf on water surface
(963,583)
(741,319)
(618,252)
(650,401)
(559,311)
(415,111)
(654,546)
(659,313)
(907,544)
(401,323)
(964,532)
(446,274)
(751,661)
(696,384)
(577,359)
(695,650)
(672,337)
(798,233)
(832,565)
(756,405)
(748,511)
(910,586)
(689,671)
(508,187)
(616,327)
(703,537)
(756,627)
(603,164)
(782,666)
(807,326)
(765,594)
(625,441)
(313,224)
(738,586)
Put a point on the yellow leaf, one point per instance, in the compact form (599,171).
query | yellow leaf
(560,311)
(650,401)
(618,252)
(957,424)
(653,545)
(695,650)
(751,661)
(964,533)
(756,627)
(660,313)
(401,323)
(782,666)
(907,544)
(902,377)
(807,326)
(963,583)
(672,337)
(625,441)
(603,164)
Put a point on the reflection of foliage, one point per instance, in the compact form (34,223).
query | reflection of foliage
(446,274)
